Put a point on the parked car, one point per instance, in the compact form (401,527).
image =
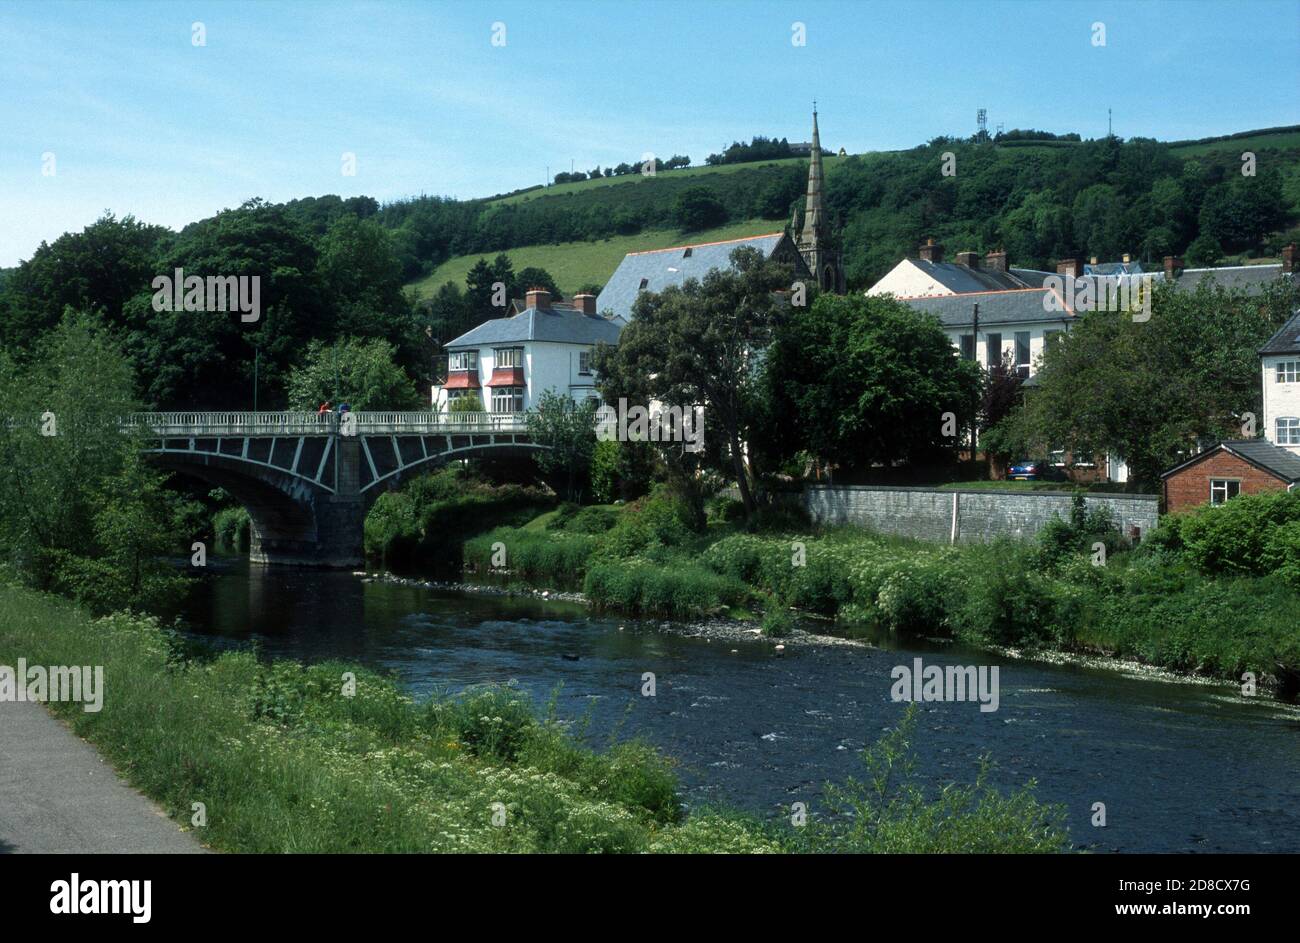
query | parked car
(1036,469)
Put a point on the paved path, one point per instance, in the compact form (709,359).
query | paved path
(57,795)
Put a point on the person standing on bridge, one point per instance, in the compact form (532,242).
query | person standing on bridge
(324,408)
(343,408)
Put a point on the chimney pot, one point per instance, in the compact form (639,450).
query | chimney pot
(1173,265)
(931,251)
(995,261)
(969,259)
(585,303)
(538,298)
(1288,258)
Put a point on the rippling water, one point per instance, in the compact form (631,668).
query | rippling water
(1180,767)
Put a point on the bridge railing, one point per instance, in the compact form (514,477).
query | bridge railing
(184,424)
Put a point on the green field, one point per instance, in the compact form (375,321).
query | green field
(631,180)
(573,264)
(1278,140)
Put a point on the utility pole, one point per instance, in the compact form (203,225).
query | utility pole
(257,357)
(975,353)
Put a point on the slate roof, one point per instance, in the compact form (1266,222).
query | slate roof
(559,324)
(1113,268)
(964,279)
(1280,462)
(996,307)
(661,268)
(1250,278)
(1286,340)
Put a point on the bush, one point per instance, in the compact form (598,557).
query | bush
(1282,553)
(680,590)
(232,528)
(1232,537)
(777,622)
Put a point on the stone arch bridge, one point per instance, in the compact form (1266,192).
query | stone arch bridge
(309,479)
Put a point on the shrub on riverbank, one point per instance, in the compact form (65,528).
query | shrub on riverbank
(428,517)
(334,758)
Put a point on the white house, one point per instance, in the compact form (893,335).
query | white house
(509,362)
(1280,363)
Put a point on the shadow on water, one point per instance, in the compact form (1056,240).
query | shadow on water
(1180,767)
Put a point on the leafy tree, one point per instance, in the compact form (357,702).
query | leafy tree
(700,344)
(360,372)
(1148,390)
(97,269)
(534,277)
(567,429)
(870,381)
(78,512)
(697,208)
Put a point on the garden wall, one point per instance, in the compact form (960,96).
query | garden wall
(951,516)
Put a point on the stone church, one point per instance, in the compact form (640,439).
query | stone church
(819,249)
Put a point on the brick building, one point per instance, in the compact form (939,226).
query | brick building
(1249,466)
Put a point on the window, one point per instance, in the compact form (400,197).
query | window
(509,356)
(1221,489)
(463,360)
(993,350)
(644,283)
(1051,337)
(1022,353)
(686,254)
(968,347)
(508,399)
(584,363)
(1288,371)
(1288,430)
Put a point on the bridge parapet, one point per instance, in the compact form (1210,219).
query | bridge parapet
(182,424)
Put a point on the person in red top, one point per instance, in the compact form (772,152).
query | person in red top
(324,408)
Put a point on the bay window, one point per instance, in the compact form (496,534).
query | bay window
(508,399)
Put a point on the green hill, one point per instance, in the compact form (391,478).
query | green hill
(1038,200)
(574,264)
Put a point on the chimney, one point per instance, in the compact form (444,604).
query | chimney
(969,259)
(1073,268)
(1288,258)
(1093,260)
(585,303)
(1173,265)
(931,252)
(538,298)
(1126,258)
(995,261)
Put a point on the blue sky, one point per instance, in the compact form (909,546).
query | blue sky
(140,121)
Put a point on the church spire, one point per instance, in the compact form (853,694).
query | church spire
(812,217)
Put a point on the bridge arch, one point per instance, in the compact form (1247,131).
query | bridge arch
(308,480)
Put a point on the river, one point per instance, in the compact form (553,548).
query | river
(1180,767)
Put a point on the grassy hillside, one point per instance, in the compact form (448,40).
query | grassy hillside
(573,264)
(687,173)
